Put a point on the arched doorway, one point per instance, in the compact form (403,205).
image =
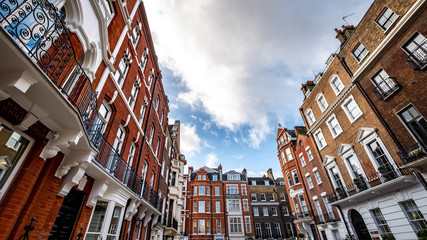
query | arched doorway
(359,225)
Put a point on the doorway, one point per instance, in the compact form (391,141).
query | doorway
(359,225)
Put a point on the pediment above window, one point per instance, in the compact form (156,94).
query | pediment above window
(344,148)
(364,133)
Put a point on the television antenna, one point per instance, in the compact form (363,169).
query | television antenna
(343,18)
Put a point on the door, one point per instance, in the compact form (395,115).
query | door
(67,215)
(359,226)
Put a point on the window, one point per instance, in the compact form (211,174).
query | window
(245,205)
(384,85)
(232,189)
(233,177)
(173,179)
(285,210)
(199,177)
(216,190)
(309,154)
(295,176)
(117,146)
(214,177)
(265,211)
(334,126)
(201,226)
(288,177)
(378,153)
(270,197)
(156,106)
(195,226)
(136,34)
(195,191)
(414,215)
(262,195)
(320,139)
(351,109)
(416,47)
(256,211)
(218,206)
(201,206)
(122,70)
(415,123)
(328,207)
(380,222)
(274,211)
(150,78)
(201,190)
(208,206)
(218,226)
(301,157)
(336,84)
(104,114)
(266,182)
(97,221)
(235,225)
(359,51)
(282,197)
(319,210)
(277,229)
(321,101)
(268,230)
(253,197)
(150,141)
(310,182)
(335,175)
(282,155)
(109,6)
(233,205)
(310,116)
(142,112)
(144,60)
(288,154)
(114,228)
(317,176)
(355,169)
(248,224)
(385,18)
(258,232)
(208,226)
(304,208)
(289,228)
(157,147)
(244,192)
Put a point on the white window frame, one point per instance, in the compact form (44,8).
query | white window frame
(232,189)
(375,137)
(347,154)
(336,87)
(245,205)
(262,196)
(256,211)
(322,106)
(335,132)
(243,189)
(309,181)
(386,85)
(119,76)
(357,57)
(321,144)
(295,176)
(389,20)
(217,191)
(252,197)
(265,211)
(310,116)
(234,205)
(235,221)
(347,111)
(412,40)
(317,177)
(217,206)
(288,153)
(274,211)
(309,154)
(248,224)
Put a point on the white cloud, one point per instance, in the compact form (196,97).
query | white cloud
(211,160)
(241,61)
(190,141)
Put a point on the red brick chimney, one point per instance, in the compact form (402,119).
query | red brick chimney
(345,33)
(307,87)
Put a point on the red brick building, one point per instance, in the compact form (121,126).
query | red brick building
(217,205)
(83,121)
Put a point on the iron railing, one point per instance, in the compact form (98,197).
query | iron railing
(386,89)
(417,59)
(385,173)
(412,153)
(301,215)
(38,29)
(360,183)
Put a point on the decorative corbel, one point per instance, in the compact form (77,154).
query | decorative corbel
(100,186)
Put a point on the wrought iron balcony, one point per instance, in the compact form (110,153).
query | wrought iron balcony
(360,183)
(412,153)
(301,215)
(330,217)
(417,59)
(386,89)
(39,30)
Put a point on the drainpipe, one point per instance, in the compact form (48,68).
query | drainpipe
(225,215)
(191,209)
(211,208)
(343,218)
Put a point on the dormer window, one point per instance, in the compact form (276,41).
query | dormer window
(321,101)
(233,177)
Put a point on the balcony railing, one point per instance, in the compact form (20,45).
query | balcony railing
(172,223)
(412,153)
(417,59)
(38,29)
(301,215)
(386,89)
(386,172)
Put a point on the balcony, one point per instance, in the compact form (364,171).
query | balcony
(325,218)
(414,156)
(417,59)
(386,89)
(387,179)
(303,216)
(38,30)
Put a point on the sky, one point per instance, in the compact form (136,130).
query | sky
(233,69)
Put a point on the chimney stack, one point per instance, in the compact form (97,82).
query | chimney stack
(244,171)
(220,172)
(344,34)
(307,87)
(270,174)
